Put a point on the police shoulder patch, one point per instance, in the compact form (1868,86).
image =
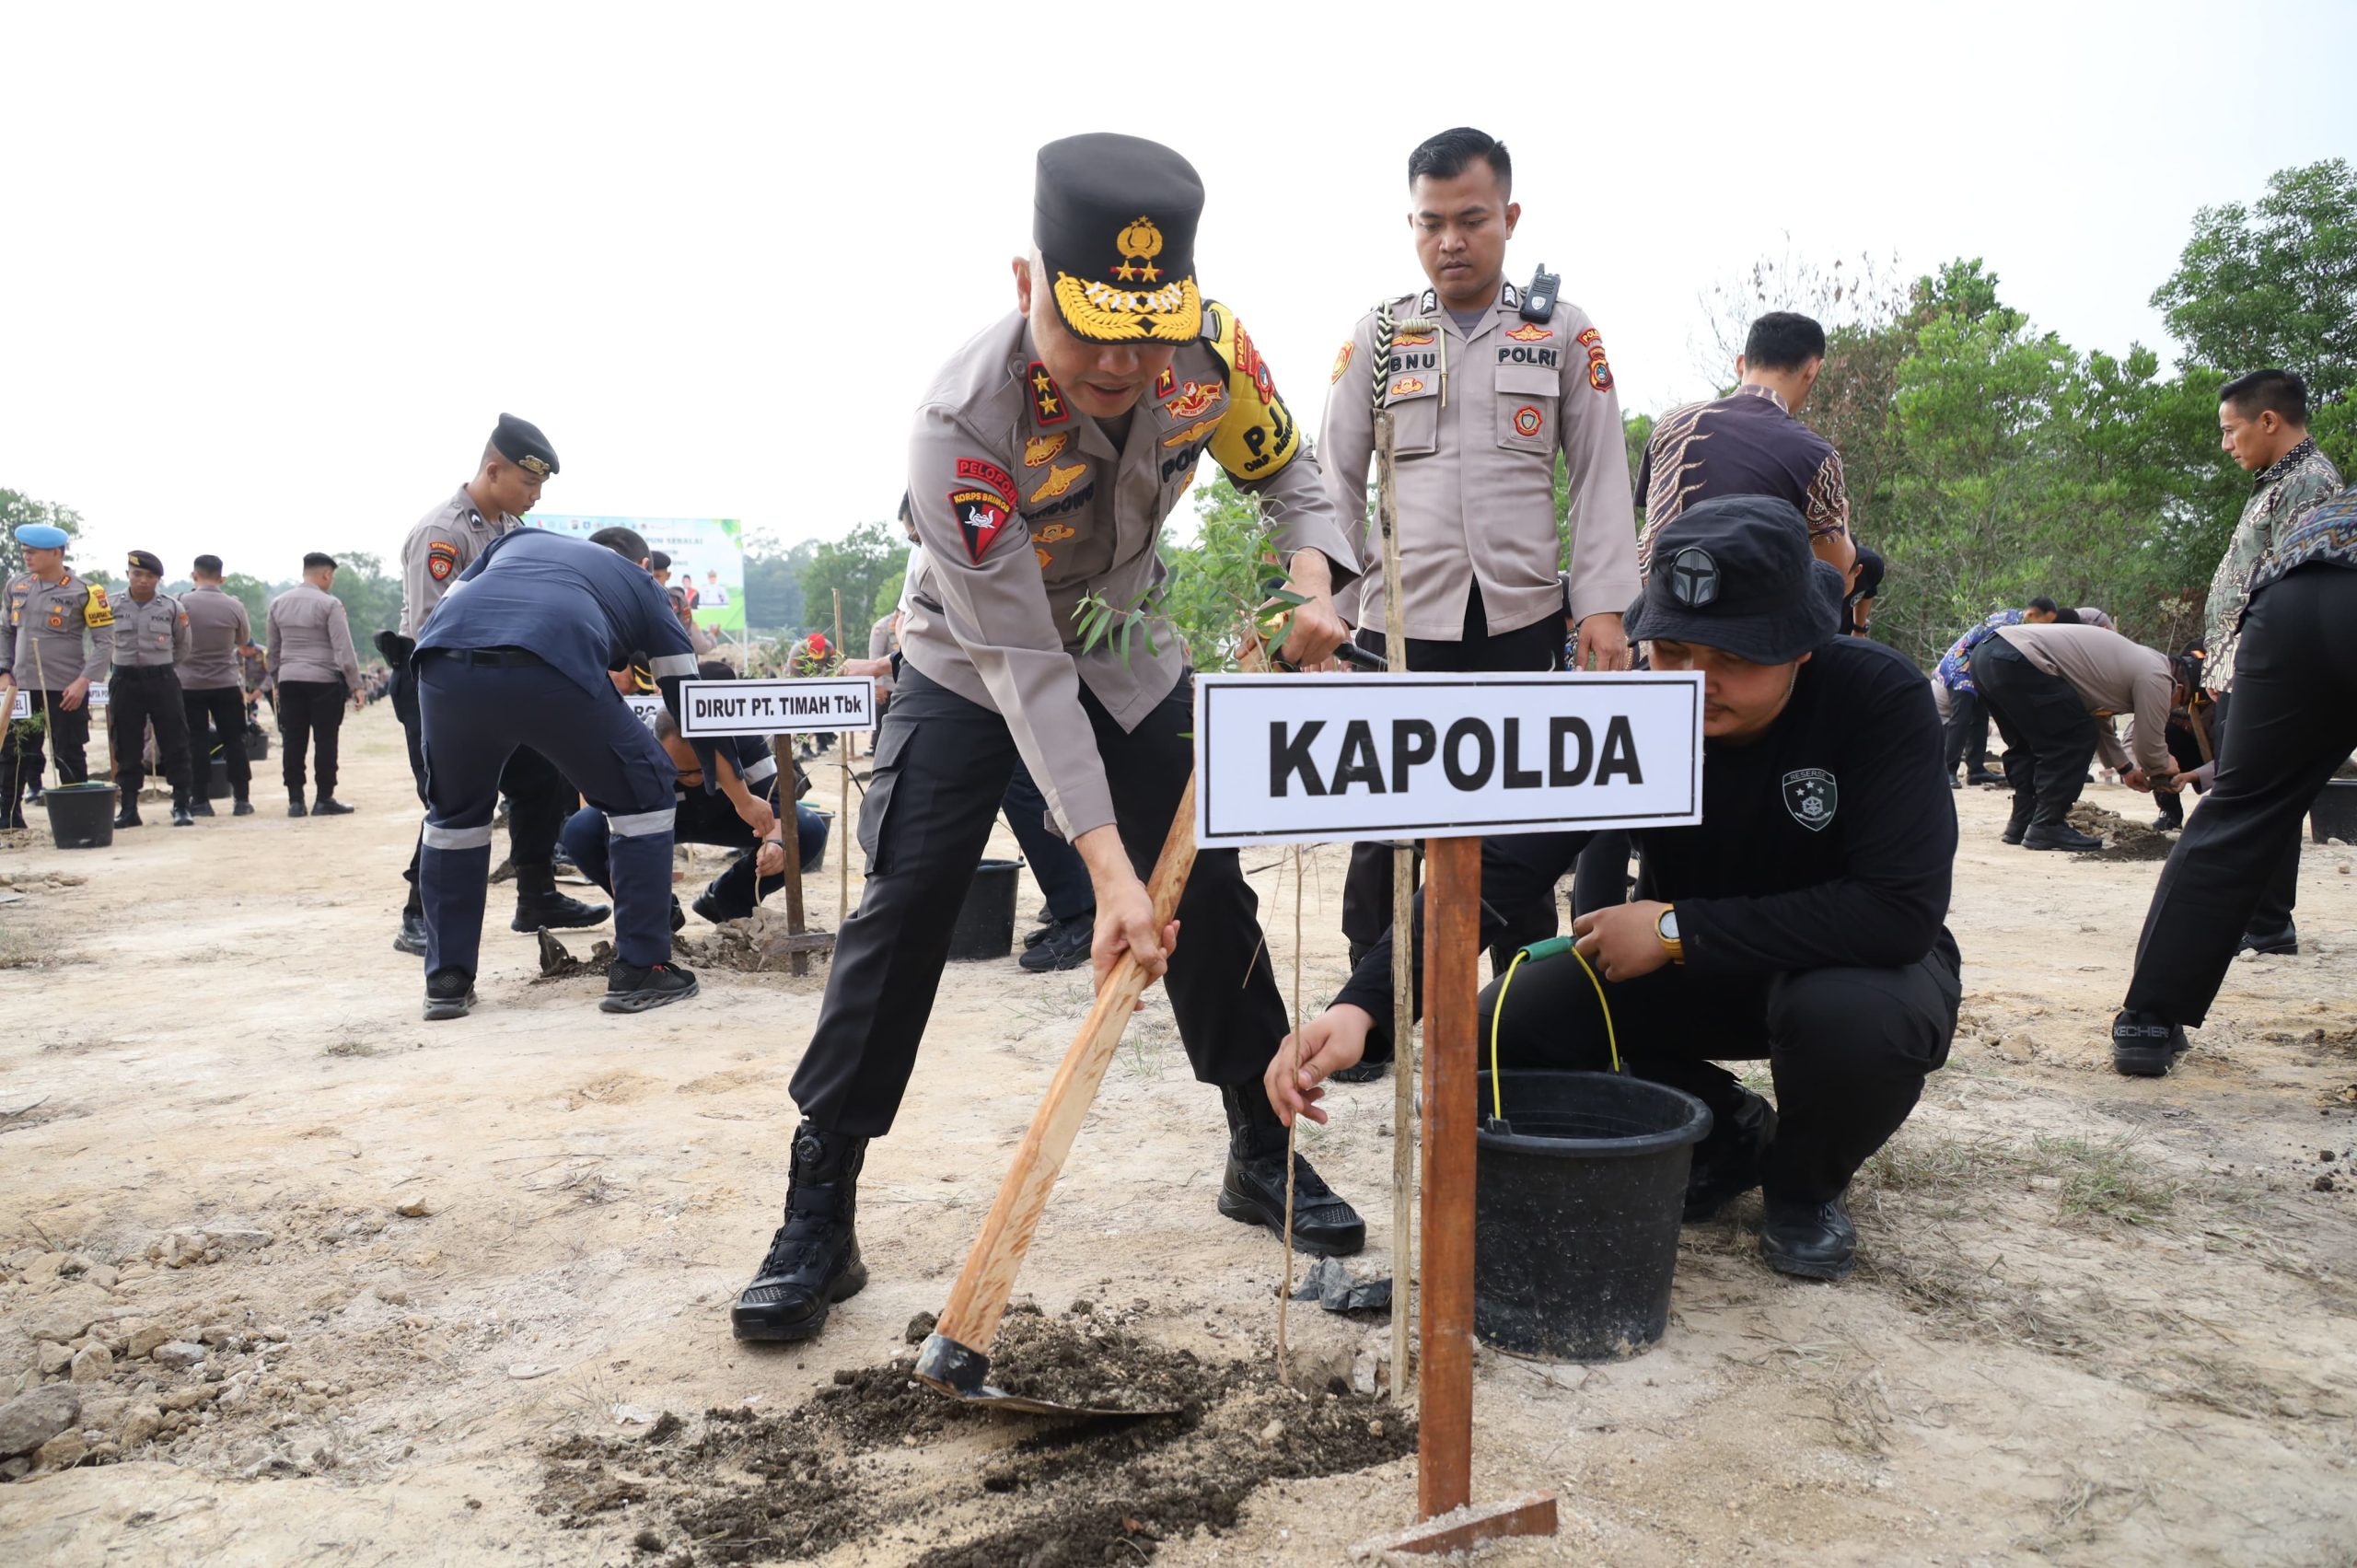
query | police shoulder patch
(1342,360)
(96,610)
(984,471)
(441,560)
(982,515)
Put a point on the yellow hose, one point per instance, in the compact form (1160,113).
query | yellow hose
(1548,949)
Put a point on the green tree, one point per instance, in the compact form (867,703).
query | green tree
(17,509)
(857,564)
(887,597)
(2276,284)
(774,583)
(254,594)
(372,600)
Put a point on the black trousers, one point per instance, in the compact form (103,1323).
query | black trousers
(539,798)
(1062,876)
(138,697)
(2295,721)
(942,765)
(2281,889)
(1848,1048)
(1965,738)
(1366,889)
(223,708)
(311,711)
(2049,736)
(66,736)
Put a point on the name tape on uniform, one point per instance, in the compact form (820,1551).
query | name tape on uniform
(832,702)
(24,704)
(1314,758)
(644,709)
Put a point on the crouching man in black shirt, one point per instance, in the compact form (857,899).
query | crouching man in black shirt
(1801,921)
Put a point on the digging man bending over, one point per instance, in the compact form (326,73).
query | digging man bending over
(1044,461)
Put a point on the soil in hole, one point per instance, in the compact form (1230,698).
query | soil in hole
(974,1487)
(2129,840)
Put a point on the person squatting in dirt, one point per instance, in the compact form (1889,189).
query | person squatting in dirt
(1113,377)
(1801,921)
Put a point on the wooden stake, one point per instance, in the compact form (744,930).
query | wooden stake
(782,749)
(1284,1297)
(1452,949)
(842,805)
(1403,946)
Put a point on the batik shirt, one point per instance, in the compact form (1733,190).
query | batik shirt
(2282,491)
(2327,536)
(1956,664)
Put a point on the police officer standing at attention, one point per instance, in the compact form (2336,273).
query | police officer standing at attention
(49,610)
(219,630)
(1045,458)
(515,462)
(1801,921)
(516,655)
(312,661)
(151,635)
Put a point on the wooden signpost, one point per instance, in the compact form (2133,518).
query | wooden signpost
(1337,758)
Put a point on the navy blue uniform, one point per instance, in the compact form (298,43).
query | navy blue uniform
(709,817)
(516,655)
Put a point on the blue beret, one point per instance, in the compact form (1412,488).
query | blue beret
(40,536)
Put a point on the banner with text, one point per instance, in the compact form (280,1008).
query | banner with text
(1321,758)
(707,559)
(835,702)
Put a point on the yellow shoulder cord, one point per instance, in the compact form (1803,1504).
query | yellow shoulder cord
(1554,946)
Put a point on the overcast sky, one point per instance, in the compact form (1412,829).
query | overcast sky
(269,273)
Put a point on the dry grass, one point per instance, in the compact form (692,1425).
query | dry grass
(2090,1178)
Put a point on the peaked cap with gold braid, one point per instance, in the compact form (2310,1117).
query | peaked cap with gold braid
(1114,219)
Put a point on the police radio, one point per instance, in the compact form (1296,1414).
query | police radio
(1539,299)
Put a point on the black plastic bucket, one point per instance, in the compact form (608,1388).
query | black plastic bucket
(80,816)
(985,927)
(257,743)
(2334,815)
(1575,1212)
(216,780)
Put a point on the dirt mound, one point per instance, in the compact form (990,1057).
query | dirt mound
(877,1456)
(759,944)
(2128,841)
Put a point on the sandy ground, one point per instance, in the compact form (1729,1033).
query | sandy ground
(2098,1319)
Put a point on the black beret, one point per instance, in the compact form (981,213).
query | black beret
(521,443)
(660,562)
(1114,219)
(316,560)
(147,561)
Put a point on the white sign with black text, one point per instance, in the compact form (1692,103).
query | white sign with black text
(645,710)
(23,706)
(1321,758)
(828,702)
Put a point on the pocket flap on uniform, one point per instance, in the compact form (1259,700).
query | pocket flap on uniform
(891,739)
(1529,380)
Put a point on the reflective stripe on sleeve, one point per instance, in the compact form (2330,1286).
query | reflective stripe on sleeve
(671,664)
(458,837)
(637,825)
(763,770)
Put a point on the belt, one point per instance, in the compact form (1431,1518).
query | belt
(497,659)
(123,670)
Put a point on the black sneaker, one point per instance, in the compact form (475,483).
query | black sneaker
(295,808)
(1253,1192)
(328,806)
(127,815)
(201,807)
(412,939)
(706,908)
(181,816)
(2016,826)
(2286,941)
(2145,1045)
(242,808)
(2059,835)
(1726,1164)
(630,989)
(1955,782)
(449,993)
(813,1260)
(1810,1241)
(1064,946)
(1984,778)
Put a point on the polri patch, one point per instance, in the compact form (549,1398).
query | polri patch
(1341,361)
(1812,796)
(984,472)
(979,514)
(1527,421)
(441,560)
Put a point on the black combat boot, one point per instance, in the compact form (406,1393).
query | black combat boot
(448,994)
(813,1260)
(199,803)
(2017,824)
(127,814)
(294,806)
(181,816)
(1254,1189)
(1726,1164)
(539,905)
(2051,828)
(413,937)
(2145,1045)
(243,808)
(1811,1241)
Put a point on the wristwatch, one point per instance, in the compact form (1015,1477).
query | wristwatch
(1666,927)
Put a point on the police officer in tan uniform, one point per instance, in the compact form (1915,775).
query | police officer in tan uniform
(515,462)
(1045,458)
(49,611)
(1488,386)
(151,636)
(220,631)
